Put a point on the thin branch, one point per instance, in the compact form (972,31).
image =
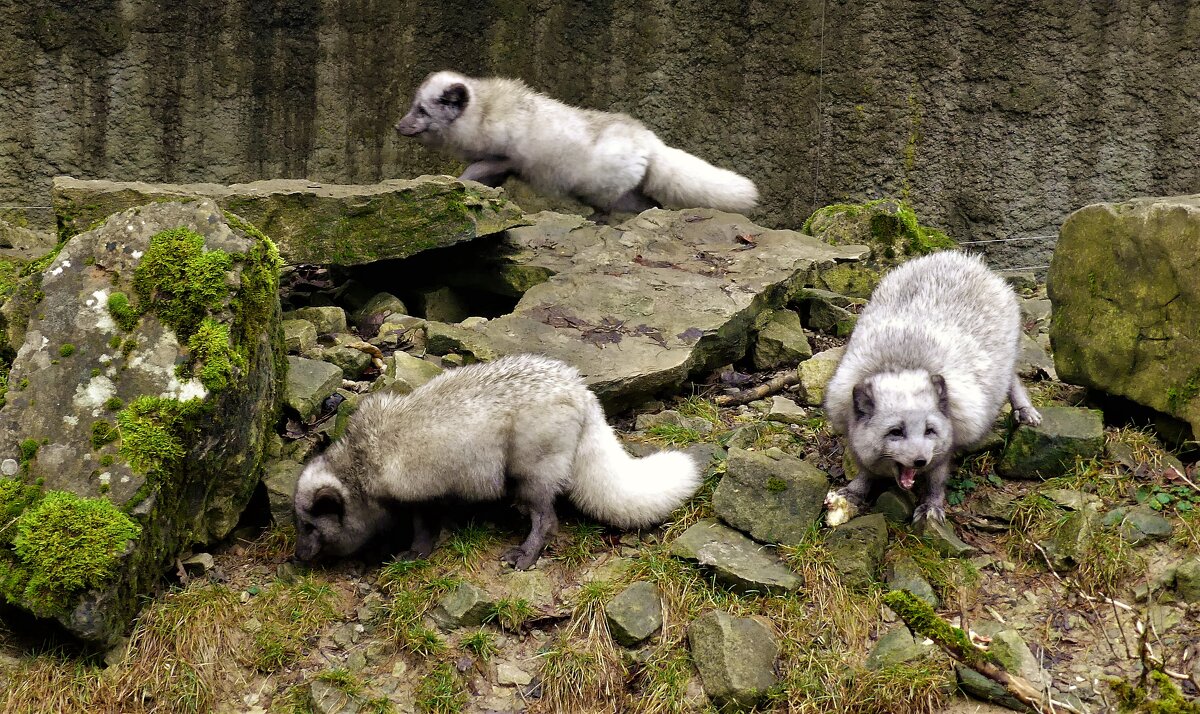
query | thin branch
(924,621)
(776,384)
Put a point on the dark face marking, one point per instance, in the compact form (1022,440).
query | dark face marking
(433,115)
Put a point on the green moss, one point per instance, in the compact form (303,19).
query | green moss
(123,313)
(69,544)
(776,485)
(1178,397)
(114,404)
(114,342)
(66,350)
(106,460)
(181,281)
(103,433)
(10,274)
(922,620)
(155,432)
(211,349)
(15,497)
(1160,696)
(29,449)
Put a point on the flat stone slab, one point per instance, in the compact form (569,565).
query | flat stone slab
(895,647)
(1050,448)
(735,559)
(815,374)
(773,496)
(464,606)
(310,382)
(640,307)
(635,613)
(315,222)
(857,548)
(735,657)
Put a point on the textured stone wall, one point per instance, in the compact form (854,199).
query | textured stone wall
(993,118)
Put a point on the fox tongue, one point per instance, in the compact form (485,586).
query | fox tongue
(908,477)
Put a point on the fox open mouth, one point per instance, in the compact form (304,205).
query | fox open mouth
(907,477)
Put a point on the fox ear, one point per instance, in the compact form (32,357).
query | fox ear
(327,501)
(864,401)
(939,388)
(454,96)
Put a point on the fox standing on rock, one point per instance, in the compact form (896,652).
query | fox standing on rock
(928,366)
(525,425)
(609,161)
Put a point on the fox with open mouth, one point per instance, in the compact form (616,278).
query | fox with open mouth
(927,369)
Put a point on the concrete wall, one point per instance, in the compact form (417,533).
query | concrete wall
(993,118)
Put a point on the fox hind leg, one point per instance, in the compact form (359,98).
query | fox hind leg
(538,484)
(1023,410)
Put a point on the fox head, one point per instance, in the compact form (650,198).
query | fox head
(440,100)
(330,520)
(901,424)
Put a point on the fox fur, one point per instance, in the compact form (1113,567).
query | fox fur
(525,426)
(925,373)
(609,161)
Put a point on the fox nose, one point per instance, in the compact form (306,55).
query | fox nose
(918,463)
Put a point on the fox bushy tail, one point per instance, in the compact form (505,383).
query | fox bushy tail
(624,491)
(676,179)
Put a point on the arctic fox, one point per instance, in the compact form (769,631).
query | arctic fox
(609,161)
(925,372)
(523,423)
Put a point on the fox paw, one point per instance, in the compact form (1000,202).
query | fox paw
(412,554)
(519,559)
(1028,416)
(839,509)
(929,511)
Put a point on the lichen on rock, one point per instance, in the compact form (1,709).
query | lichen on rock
(1125,289)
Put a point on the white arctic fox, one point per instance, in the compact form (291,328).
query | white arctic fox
(927,368)
(609,161)
(523,424)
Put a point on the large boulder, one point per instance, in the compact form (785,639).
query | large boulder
(1126,297)
(640,307)
(148,365)
(314,222)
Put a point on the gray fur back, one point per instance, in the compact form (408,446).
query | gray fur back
(947,314)
(446,439)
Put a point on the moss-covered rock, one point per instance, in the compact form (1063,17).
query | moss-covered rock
(735,657)
(773,496)
(317,223)
(139,430)
(889,227)
(1126,297)
(1050,448)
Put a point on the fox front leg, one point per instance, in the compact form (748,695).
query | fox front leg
(933,503)
(425,528)
(489,172)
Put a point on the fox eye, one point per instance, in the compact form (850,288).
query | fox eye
(896,431)
(930,431)
(421,112)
